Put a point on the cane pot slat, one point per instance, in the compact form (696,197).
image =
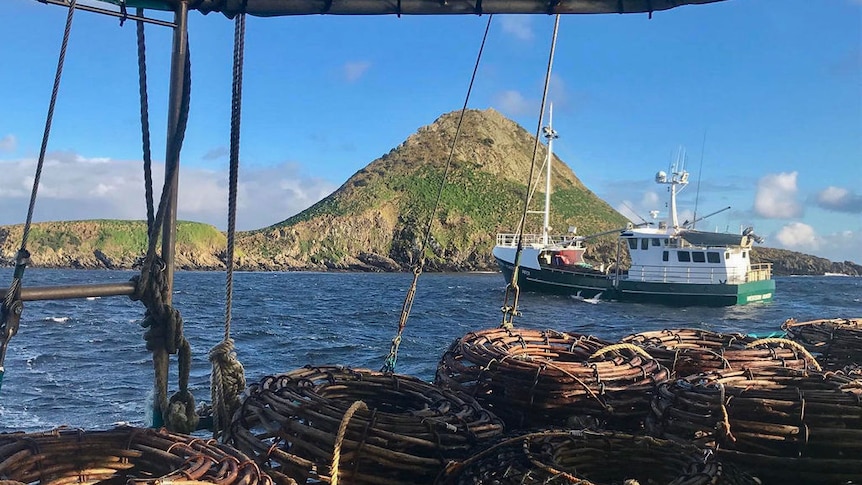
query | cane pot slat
(122,455)
(406,430)
(589,457)
(550,379)
(691,351)
(837,342)
(808,423)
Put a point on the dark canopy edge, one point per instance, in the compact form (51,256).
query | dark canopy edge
(272,8)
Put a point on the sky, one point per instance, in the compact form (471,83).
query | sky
(765,96)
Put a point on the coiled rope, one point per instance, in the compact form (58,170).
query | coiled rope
(228,376)
(510,311)
(392,358)
(339,439)
(13,307)
(164,334)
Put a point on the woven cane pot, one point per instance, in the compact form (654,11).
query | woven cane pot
(781,425)
(122,455)
(356,426)
(591,458)
(550,379)
(837,342)
(692,351)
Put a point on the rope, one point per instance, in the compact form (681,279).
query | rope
(789,343)
(145,120)
(339,439)
(12,307)
(511,311)
(164,335)
(391,360)
(228,376)
(612,348)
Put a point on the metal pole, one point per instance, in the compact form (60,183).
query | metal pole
(172,158)
(104,11)
(179,58)
(74,291)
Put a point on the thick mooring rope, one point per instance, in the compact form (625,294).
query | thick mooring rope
(789,343)
(145,120)
(12,307)
(510,311)
(228,376)
(164,335)
(392,358)
(339,439)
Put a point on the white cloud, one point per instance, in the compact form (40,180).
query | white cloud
(518,26)
(8,143)
(74,188)
(355,69)
(839,199)
(776,196)
(513,103)
(841,246)
(798,237)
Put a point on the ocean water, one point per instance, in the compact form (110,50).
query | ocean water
(83,363)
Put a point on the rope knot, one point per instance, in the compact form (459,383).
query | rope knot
(227,382)
(181,416)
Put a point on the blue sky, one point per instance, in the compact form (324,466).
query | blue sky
(773,86)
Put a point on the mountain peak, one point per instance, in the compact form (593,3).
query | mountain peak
(488,140)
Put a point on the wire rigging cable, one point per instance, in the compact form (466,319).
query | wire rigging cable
(512,289)
(392,358)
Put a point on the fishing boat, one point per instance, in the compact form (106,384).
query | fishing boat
(671,262)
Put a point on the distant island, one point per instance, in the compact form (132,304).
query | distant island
(376,220)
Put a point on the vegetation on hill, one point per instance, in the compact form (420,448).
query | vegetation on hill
(380,215)
(377,220)
(108,244)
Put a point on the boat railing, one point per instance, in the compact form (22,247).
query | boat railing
(689,274)
(511,240)
(759,272)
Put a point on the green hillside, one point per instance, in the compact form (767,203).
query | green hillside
(108,243)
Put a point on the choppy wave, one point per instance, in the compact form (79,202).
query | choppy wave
(57,319)
(95,370)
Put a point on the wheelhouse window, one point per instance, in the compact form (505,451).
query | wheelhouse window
(683,256)
(656,241)
(644,243)
(633,243)
(698,257)
(664,255)
(713,257)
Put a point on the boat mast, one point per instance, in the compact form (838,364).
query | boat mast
(678,177)
(549,134)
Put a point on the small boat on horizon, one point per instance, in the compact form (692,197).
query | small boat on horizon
(671,263)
